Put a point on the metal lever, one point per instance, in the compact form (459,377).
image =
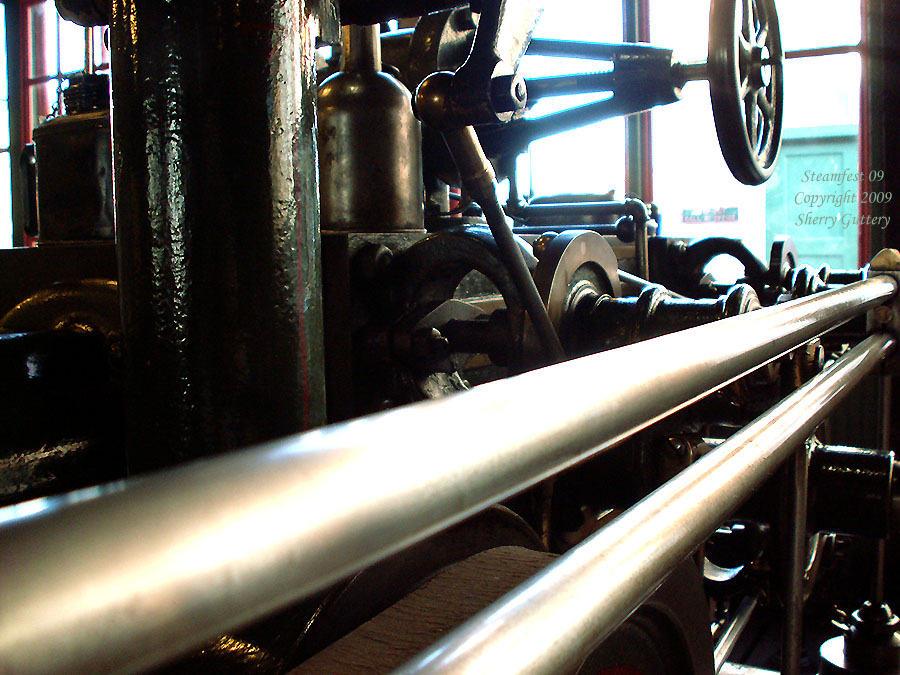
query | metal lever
(478,178)
(487,89)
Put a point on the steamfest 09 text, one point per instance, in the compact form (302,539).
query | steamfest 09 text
(822,205)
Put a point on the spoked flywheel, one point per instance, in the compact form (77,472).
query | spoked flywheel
(746,71)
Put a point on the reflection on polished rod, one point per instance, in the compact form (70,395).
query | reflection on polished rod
(586,594)
(726,643)
(126,576)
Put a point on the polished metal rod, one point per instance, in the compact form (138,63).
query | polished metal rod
(725,644)
(794,556)
(585,595)
(125,576)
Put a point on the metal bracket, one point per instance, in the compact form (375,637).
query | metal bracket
(487,89)
(886,317)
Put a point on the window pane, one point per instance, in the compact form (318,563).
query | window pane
(41,26)
(682,27)
(581,20)
(696,193)
(820,140)
(586,160)
(43,98)
(101,51)
(71,47)
(809,101)
(4,89)
(823,23)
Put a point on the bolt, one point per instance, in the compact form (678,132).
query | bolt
(884,314)
(508,93)
(427,345)
(678,446)
(541,243)
(370,262)
(520,92)
(814,358)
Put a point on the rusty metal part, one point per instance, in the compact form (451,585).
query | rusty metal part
(370,148)
(217,217)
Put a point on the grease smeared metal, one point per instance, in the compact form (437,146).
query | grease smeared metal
(59,408)
(217,219)
(52,468)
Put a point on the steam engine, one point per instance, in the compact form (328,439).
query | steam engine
(288,388)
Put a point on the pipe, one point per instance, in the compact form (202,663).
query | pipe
(362,49)
(477,175)
(794,550)
(885,391)
(632,556)
(143,570)
(635,208)
(639,284)
(725,644)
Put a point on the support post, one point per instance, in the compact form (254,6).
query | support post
(217,223)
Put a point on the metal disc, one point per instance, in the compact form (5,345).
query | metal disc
(746,71)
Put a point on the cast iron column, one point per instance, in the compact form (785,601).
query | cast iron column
(217,223)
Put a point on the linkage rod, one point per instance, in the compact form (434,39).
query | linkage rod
(585,595)
(124,576)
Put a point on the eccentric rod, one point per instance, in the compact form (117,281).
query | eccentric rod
(125,576)
(585,595)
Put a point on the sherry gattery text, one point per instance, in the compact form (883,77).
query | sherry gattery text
(843,221)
